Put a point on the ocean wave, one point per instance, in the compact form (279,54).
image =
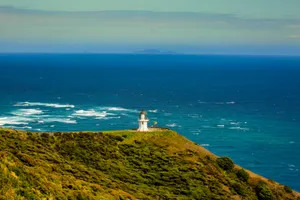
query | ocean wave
(172,125)
(91,113)
(22,112)
(53,105)
(235,128)
(204,145)
(60,120)
(221,125)
(206,126)
(153,111)
(116,109)
(239,128)
(14,121)
(218,103)
(109,117)
(26,127)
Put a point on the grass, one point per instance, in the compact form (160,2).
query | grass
(121,164)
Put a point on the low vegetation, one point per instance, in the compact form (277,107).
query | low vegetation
(225,163)
(122,165)
(242,175)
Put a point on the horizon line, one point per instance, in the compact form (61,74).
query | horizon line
(162,54)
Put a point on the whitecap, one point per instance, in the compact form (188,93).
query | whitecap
(118,117)
(171,125)
(60,120)
(52,126)
(22,112)
(235,128)
(239,128)
(205,145)
(91,113)
(153,111)
(53,105)
(230,102)
(116,109)
(26,127)
(14,121)
(292,142)
(206,126)
(221,125)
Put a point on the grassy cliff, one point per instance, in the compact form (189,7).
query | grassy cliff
(122,165)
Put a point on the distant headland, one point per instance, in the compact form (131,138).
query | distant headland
(154,51)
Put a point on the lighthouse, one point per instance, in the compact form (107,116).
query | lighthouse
(143,121)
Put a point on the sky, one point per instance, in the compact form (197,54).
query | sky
(269,27)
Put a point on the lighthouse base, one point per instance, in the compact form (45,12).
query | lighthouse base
(143,127)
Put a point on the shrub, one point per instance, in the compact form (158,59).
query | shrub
(263,192)
(238,188)
(119,138)
(225,163)
(242,175)
(287,189)
(207,157)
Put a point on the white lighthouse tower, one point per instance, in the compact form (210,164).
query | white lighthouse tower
(143,120)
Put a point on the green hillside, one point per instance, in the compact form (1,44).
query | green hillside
(122,165)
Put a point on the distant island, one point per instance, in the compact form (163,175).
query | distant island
(154,51)
(125,164)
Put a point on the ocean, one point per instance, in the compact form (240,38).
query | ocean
(244,107)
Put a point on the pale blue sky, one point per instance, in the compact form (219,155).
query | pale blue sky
(188,26)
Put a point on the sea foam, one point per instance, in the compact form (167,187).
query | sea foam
(91,113)
(53,105)
(60,120)
(116,109)
(172,125)
(14,121)
(22,112)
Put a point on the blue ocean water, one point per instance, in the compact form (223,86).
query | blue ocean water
(246,107)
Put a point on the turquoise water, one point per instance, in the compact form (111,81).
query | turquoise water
(245,107)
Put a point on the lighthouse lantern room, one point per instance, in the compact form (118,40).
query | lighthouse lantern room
(143,122)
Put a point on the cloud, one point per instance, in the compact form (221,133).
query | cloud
(293,26)
(138,27)
(294,36)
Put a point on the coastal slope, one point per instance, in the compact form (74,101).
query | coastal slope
(124,164)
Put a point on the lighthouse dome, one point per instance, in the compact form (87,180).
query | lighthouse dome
(143,112)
